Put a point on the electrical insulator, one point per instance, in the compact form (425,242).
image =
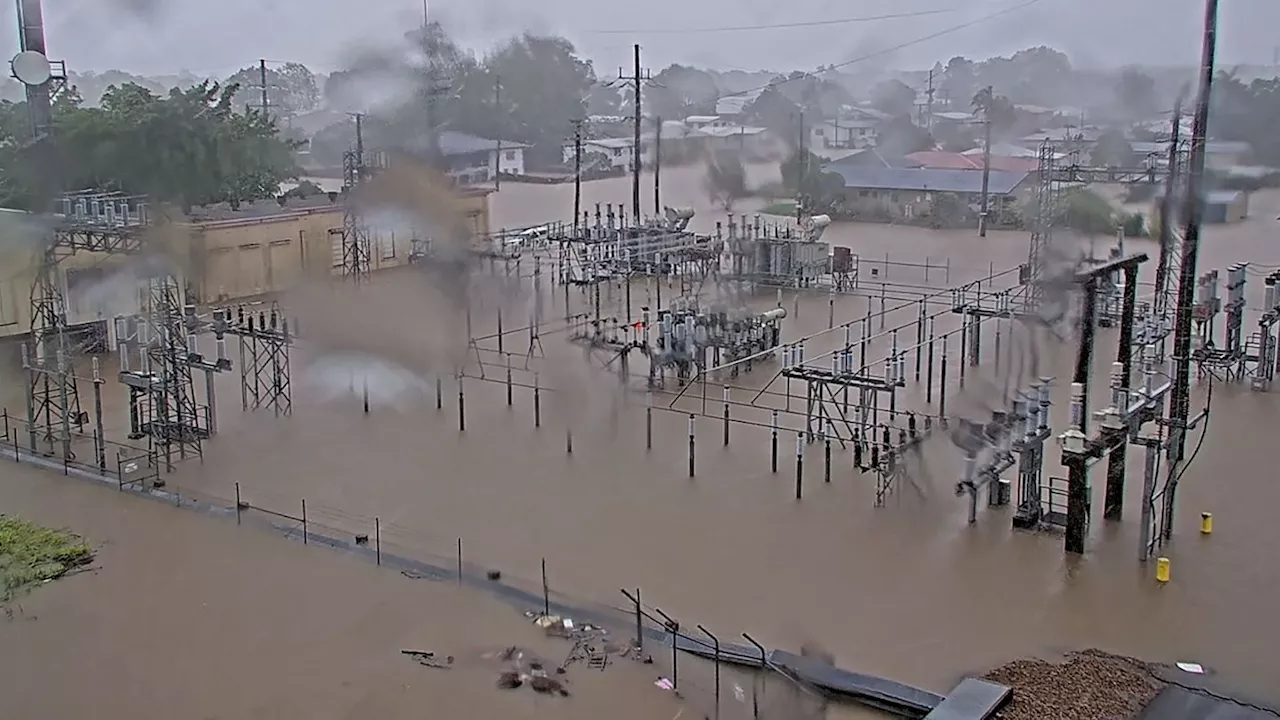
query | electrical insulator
(1077,406)
(911,425)
(875,457)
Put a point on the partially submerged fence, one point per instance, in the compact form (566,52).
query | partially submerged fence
(716,687)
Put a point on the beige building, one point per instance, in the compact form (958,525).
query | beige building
(259,249)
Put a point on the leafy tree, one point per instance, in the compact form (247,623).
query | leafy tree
(959,79)
(995,108)
(894,97)
(1088,213)
(189,148)
(680,91)
(291,88)
(545,85)
(1247,113)
(725,179)
(1136,94)
(900,136)
(775,111)
(1113,150)
(803,176)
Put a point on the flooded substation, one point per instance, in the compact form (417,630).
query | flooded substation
(766,425)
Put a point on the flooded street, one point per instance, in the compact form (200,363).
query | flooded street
(908,591)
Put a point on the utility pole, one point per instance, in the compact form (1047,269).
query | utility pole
(262,82)
(497,107)
(657,167)
(1180,401)
(928,123)
(577,176)
(986,158)
(637,80)
(803,170)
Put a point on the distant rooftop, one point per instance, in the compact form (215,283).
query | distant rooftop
(453,142)
(926,180)
(1212,147)
(735,104)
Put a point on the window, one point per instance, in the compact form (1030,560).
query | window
(617,152)
(511,155)
(819,132)
(388,245)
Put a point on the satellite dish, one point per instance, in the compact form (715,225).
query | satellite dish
(31,68)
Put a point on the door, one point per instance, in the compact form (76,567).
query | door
(222,275)
(283,265)
(253,269)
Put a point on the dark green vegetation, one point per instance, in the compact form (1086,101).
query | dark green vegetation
(31,554)
(191,147)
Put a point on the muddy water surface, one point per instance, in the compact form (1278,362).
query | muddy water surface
(909,591)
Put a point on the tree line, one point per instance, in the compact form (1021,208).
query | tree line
(189,147)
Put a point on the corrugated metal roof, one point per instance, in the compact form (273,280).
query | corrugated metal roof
(452,142)
(924,179)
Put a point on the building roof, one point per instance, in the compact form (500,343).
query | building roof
(954,116)
(725,131)
(611,143)
(1004,149)
(698,119)
(1222,197)
(872,157)
(452,142)
(1212,147)
(940,160)
(735,104)
(926,179)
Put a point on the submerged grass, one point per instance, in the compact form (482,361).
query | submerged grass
(31,554)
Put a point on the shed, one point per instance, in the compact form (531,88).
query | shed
(1219,207)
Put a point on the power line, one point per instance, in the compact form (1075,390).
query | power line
(770,26)
(886,51)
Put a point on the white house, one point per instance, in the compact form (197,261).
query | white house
(848,133)
(617,150)
(473,159)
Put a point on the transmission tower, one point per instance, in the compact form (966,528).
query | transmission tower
(265,342)
(172,417)
(1180,420)
(92,222)
(355,236)
(1046,195)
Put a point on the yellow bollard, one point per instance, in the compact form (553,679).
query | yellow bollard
(1206,523)
(1162,570)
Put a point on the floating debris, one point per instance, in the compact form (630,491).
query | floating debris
(426,658)
(1089,684)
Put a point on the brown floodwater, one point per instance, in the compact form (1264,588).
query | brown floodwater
(909,591)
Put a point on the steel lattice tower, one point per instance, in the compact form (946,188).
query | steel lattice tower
(174,417)
(1046,196)
(53,404)
(355,237)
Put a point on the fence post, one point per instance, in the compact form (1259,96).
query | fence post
(715,640)
(462,406)
(237,503)
(826,452)
(377,540)
(674,628)
(726,417)
(439,394)
(546,591)
(304,521)
(799,465)
(692,442)
(648,421)
(537,401)
(459,561)
(773,442)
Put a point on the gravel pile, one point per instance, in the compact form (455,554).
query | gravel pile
(1088,685)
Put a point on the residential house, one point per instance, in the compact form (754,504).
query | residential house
(473,160)
(615,151)
(873,157)
(1065,138)
(847,133)
(953,119)
(697,122)
(751,142)
(732,108)
(879,193)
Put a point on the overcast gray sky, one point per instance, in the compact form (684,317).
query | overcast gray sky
(215,37)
